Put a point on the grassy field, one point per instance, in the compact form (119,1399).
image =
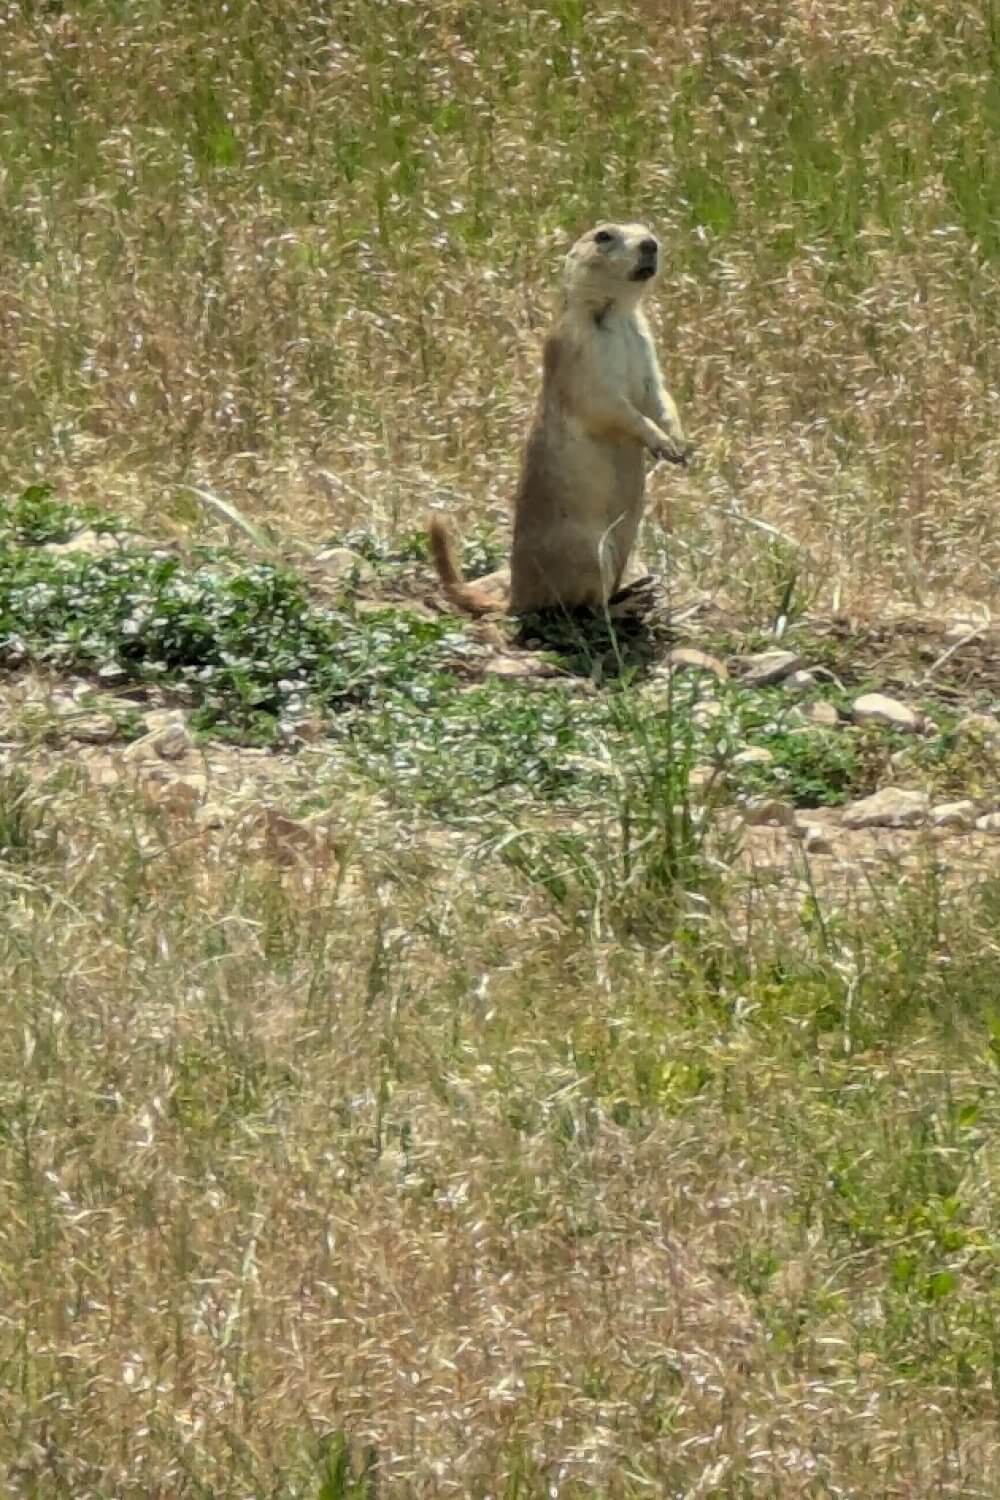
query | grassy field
(435,1099)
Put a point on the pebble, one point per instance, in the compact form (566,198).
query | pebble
(877,708)
(893,807)
(766,667)
(962,630)
(758,811)
(958,815)
(341,562)
(91,729)
(824,714)
(979,727)
(815,840)
(753,755)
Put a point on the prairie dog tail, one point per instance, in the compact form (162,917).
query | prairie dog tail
(465,596)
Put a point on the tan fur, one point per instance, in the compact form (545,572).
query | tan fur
(485,596)
(603,406)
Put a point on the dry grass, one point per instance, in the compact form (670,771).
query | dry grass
(380,1149)
(421,1163)
(284,245)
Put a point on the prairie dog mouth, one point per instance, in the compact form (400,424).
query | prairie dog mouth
(644,271)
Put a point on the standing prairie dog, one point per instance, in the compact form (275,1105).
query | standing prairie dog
(603,407)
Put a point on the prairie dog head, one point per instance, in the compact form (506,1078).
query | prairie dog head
(611,263)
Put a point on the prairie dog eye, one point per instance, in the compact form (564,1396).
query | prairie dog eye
(603,237)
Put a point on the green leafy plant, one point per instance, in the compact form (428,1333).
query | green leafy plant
(454,751)
(816,769)
(245,643)
(481,550)
(35,516)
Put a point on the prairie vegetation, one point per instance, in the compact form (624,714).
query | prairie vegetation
(245,249)
(434,1093)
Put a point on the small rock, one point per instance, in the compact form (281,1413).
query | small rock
(101,772)
(363,606)
(153,773)
(893,807)
(876,708)
(758,811)
(823,714)
(815,840)
(519,666)
(307,730)
(989,823)
(753,755)
(961,815)
(139,750)
(160,718)
(690,659)
(979,727)
(706,711)
(341,562)
(800,680)
(211,815)
(181,797)
(167,736)
(172,743)
(766,667)
(91,543)
(962,630)
(91,729)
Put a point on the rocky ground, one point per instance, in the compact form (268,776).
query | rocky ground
(920,696)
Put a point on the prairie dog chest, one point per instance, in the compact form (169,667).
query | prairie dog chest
(624,348)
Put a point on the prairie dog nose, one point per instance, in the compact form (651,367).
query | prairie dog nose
(648,247)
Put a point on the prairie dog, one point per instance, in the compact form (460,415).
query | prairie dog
(602,407)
